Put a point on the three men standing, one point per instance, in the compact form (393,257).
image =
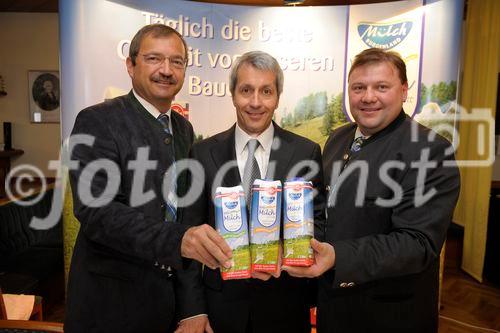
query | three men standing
(392,189)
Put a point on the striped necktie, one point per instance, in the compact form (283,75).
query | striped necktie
(171,179)
(251,171)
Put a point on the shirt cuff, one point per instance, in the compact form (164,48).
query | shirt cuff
(198,315)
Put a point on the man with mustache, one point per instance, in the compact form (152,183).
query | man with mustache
(393,185)
(128,273)
(266,303)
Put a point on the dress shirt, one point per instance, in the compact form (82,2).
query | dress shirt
(358,134)
(153,110)
(262,152)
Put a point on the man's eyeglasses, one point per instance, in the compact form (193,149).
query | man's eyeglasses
(159,59)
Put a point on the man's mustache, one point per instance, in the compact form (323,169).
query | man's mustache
(164,79)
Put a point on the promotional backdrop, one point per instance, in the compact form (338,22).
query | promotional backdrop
(314,45)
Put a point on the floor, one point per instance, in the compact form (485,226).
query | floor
(466,305)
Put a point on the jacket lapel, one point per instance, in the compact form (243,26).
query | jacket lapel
(225,152)
(154,134)
(181,137)
(282,152)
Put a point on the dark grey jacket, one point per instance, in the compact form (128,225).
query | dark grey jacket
(114,284)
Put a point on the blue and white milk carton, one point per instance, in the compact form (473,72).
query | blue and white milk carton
(298,223)
(265,219)
(231,224)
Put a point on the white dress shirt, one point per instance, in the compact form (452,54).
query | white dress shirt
(153,110)
(358,134)
(262,152)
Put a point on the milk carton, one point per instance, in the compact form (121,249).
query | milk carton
(265,222)
(298,223)
(231,223)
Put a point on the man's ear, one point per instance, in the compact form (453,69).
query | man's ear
(130,67)
(232,99)
(405,91)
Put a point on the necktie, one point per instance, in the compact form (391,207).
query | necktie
(171,200)
(251,170)
(357,144)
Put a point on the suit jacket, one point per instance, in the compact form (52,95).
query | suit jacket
(387,257)
(121,276)
(48,102)
(277,305)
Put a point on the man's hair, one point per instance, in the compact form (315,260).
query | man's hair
(261,61)
(156,31)
(375,56)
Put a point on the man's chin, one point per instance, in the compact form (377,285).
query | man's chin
(162,95)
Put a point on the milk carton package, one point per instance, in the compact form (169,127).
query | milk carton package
(265,220)
(231,224)
(298,223)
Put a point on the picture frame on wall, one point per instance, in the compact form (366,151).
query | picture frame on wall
(44,96)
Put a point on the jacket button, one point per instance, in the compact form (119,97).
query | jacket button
(167,140)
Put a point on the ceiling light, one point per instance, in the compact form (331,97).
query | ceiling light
(293,2)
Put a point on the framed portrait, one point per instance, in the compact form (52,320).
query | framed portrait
(44,96)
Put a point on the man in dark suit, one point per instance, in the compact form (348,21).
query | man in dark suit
(267,302)
(127,271)
(48,100)
(393,185)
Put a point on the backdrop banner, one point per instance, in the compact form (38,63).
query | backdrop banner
(314,45)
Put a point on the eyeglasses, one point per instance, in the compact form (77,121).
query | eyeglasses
(159,59)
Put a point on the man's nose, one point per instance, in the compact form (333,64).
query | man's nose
(369,96)
(255,100)
(166,67)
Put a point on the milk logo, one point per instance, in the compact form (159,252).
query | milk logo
(267,207)
(384,35)
(231,204)
(267,199)
(295,205)
(231,213)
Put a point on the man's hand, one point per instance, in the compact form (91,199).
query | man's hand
(264,276)
(204,244)
(199,324)
(324,259)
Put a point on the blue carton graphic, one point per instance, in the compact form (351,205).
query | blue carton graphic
(298,223)
(265,220)
(231,224)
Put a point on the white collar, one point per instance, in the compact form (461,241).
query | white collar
(358,134)
(265,138)
(150,107)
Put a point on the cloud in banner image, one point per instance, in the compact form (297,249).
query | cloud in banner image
(441,47)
